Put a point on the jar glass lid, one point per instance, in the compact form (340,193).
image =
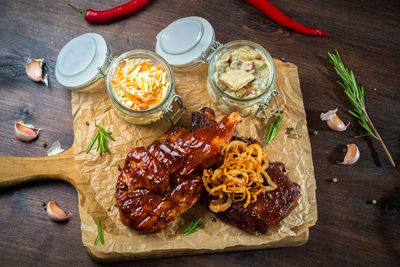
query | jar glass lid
(182,42)
(78,61)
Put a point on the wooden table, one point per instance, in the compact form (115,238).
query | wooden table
(349,229)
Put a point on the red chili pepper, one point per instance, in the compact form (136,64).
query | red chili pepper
(276,15)
(94,16)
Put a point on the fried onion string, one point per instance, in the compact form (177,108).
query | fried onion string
(241,177)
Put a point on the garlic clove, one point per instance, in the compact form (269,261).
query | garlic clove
(34,70)
(333,121)
(25,132)
(352,155)
(337,124)
(55,213)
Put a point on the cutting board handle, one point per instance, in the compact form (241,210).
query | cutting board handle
(15,170)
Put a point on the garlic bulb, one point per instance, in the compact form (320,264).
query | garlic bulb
(352,155)
(333,121)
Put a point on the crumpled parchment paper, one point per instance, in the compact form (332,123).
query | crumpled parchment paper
(96,186)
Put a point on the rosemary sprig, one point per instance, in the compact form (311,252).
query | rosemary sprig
(193,227)
(273,128)
(101,136)
(100,235)
(97,240)
(356,95)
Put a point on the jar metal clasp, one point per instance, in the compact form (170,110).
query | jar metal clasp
(109,59)
(104,69)
(265,105)
(172,116)
(207,55)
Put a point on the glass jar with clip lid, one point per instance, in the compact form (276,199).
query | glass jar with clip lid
(140,83)
(241,74)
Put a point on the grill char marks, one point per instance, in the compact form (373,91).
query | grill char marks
(161,181)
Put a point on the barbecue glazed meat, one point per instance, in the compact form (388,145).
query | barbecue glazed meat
(163,180)
(203,118)
(269,208)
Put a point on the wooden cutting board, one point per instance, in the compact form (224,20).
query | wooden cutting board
(96,188)
(16,170)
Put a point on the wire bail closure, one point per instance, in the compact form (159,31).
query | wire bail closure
(264,106)
(175,116)
(109,58)
(207,55)
(103,73)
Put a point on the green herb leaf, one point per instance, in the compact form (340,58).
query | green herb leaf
(101,136)
(92,142)
(273,128)
(363,135)
(105,132)
(188,228)
(193,227)
(101,144)
(98,142)
(100,236)
(97,240)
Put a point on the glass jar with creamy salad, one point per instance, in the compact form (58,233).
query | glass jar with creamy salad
(241,77)
(241,74)
(140,83)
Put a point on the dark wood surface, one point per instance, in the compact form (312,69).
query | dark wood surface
(349,231)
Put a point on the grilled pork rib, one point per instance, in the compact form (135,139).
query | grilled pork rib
(269,208)
(160,182)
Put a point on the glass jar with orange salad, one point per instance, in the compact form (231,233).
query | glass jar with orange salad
(139,83)
(141,88)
